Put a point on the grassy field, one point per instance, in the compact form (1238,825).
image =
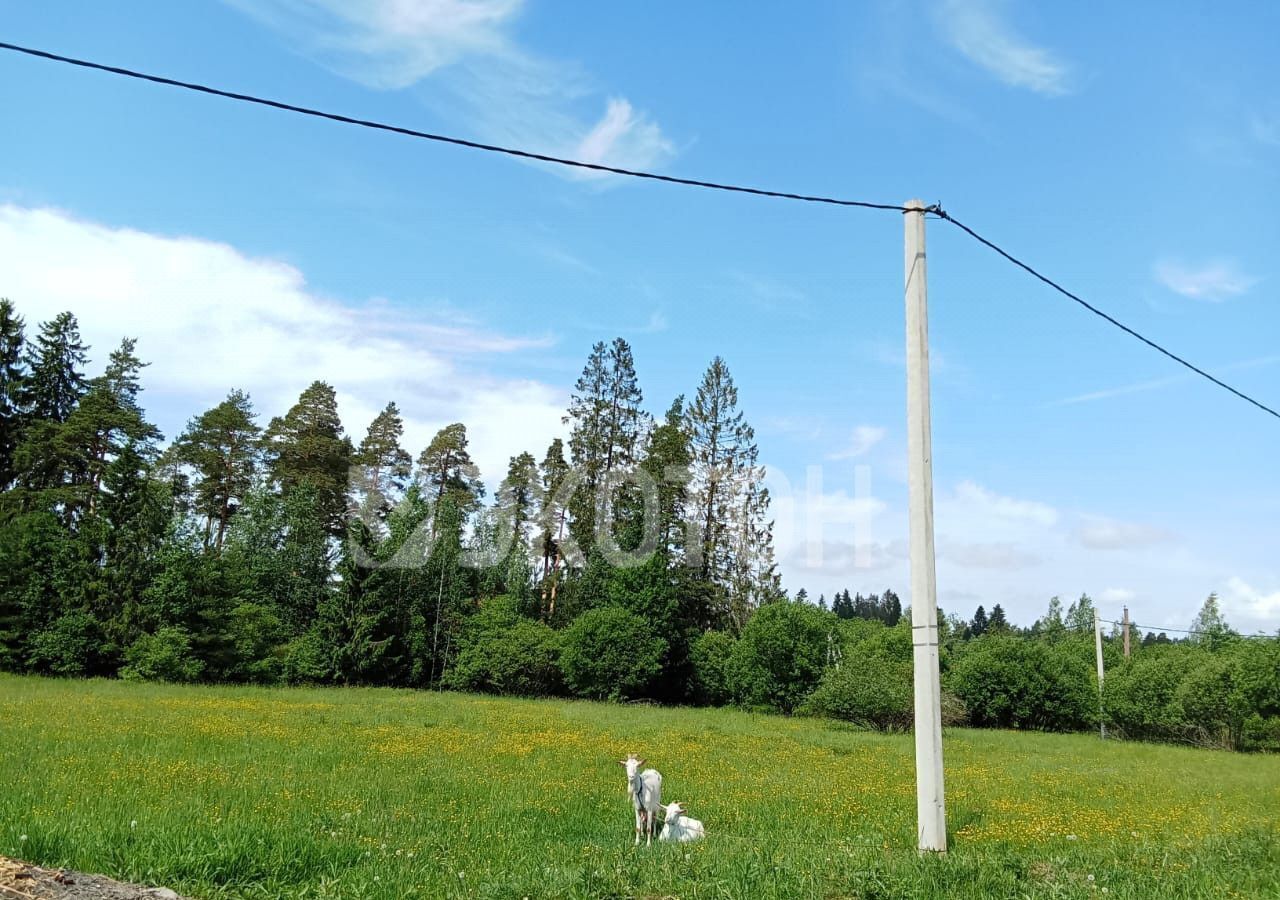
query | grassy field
(249,792)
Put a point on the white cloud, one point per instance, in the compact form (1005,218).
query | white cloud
(210,319)
(977,499)
(1115,595)
(623,138)
(977,30)
(993,555)
(1242,598)
(1214,281)
(1101,533)
(503,93)
(864,437)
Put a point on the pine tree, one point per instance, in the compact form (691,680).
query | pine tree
(107,419)
(446,470)
(13,388)
(729,504)
(224,448)
(979,624)
(308,449)
(666,462)
(552,516)
(383,468)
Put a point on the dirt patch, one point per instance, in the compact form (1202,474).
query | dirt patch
(27,882)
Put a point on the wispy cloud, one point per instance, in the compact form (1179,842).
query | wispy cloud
(978,499)
(480,74)
(864,437)
(979,32)
(1265,129)
(1101,533)
(1215,280)
(1153,384)
(1136,388)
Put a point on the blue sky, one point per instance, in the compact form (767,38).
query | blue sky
(1133,153)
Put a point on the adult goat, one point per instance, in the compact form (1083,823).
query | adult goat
(645,790)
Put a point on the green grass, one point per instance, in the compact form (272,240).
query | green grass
(251,792)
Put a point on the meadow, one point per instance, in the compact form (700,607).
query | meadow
(335,792)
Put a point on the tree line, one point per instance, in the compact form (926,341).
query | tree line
(634,560)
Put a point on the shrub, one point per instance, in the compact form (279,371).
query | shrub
(781,655)
(306,659)
(518,659)
(711,654)
(1212,704)
(1140,698)
(69,647)
(1007,682)
(163,656)
(875,692)
(1261,734)
(610,653)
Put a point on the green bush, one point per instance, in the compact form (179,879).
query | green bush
(711,654)
(875,692)
(610,653)
(69,647)
(1008,682)
(1140,698)
(163,656)
(306,659)
(1213,706)
(781,655)
(1261,734)
(520,659)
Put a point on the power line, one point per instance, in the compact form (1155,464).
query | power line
(632,173)
(1097,312)
(1135,625)
(442,138)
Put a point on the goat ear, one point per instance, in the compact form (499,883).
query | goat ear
(622,762)
(640,762)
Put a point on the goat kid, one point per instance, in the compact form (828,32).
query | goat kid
(679,827)
(645,790)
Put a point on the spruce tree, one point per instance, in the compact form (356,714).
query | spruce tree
(729,504)
(13,387)
(997,623)
(608,428)
(55,361)
(978,625)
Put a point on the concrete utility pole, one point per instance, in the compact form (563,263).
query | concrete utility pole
(1097,643)
(1126,632)
(931,811)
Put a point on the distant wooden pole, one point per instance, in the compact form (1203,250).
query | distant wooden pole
(1126,632)
(1097,643)
(931,813)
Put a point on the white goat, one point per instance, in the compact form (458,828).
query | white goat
(645,790)
(679,827)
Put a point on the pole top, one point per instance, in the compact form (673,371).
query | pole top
(912,205)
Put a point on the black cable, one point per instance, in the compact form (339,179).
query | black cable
(1097,312)
(441,138)
(1162,629)
(653,176)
